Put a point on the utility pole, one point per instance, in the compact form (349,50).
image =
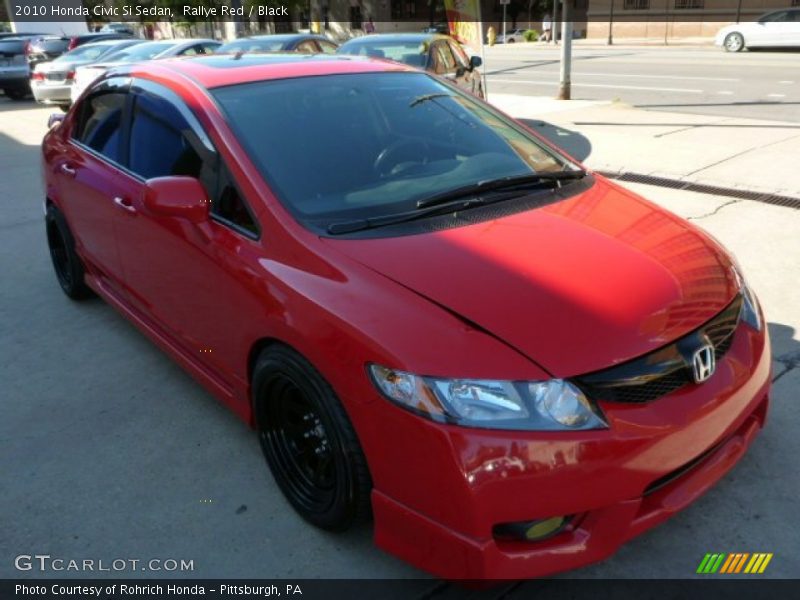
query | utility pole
(505,3)
(611,25)
(565,83)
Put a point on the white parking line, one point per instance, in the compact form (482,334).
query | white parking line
(786,82)
(725,93)
(776,95)
(598,85)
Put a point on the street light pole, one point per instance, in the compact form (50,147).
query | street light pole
(505,41)
(611,25)
(565,83)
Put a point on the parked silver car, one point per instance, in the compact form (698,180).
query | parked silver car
(511,36)
(149,50)
(51,82)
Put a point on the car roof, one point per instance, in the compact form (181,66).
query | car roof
(218,70)
(398,37)
(111,42)
(283,37)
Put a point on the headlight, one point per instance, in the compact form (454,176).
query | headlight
(751,312)
(535,406)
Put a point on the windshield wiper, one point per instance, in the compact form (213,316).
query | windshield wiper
(426,97)
(411,215)
(470,196)
(501,183)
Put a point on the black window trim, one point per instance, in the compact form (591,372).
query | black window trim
(139,85)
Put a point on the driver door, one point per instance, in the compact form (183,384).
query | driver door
(186,277)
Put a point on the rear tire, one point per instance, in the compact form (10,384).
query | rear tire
(734,42)
(64,107)
(67,264)
(16,94)
(308,441)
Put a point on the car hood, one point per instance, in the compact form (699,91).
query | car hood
(577,285)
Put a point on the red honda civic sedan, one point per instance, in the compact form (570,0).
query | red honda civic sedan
(429,314)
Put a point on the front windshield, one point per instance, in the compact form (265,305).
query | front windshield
(371,144)
(247,45)
(410,53)
(144,51)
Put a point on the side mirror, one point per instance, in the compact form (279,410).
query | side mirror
(55,119)
(475,61)
(178,196)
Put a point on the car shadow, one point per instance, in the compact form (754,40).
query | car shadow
(8,105)
(573,143)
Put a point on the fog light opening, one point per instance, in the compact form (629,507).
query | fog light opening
(531,531)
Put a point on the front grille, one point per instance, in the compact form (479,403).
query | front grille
(665,370)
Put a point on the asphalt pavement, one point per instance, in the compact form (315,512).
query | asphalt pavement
(700,80)
(109,450)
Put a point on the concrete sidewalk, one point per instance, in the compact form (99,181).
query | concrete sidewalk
(745,154)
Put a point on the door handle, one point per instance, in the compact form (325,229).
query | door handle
(67,170)
(124,203)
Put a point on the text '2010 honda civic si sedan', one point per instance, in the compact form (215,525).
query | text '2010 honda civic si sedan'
(428,314)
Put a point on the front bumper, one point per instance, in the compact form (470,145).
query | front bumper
(438,511)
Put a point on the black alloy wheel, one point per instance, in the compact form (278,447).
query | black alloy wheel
(66,262)
(308,441)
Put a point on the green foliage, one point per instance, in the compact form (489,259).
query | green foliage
(531,35)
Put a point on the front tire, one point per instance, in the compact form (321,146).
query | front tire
(734,42)
(67,264)
(309,442)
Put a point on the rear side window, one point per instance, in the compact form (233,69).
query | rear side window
(100,124)
(12,48)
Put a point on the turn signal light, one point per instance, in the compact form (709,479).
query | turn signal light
(37,76)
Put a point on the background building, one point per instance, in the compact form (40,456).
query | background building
(668,19)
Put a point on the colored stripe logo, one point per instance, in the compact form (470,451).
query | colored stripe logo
(737,562)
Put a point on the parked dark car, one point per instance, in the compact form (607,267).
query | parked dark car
(305,43)
(48,47)
(14,70)
(439,54)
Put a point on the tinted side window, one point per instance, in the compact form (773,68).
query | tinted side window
(158,146)
(447,60)
(162,143)
(100,123)
(461,56)
(228,204)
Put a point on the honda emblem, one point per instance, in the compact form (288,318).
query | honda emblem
(703,363)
